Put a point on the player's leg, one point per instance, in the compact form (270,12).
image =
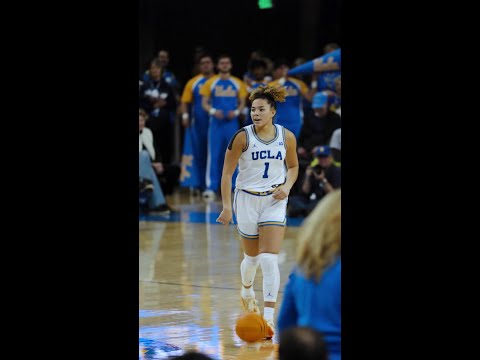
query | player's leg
(247,218)
(271,228)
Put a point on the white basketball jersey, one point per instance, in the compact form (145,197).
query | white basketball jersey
(262,165)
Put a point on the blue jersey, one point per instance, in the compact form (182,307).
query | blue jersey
(256,85)
(326,79)
(224,94)
(290,111)
(191,95)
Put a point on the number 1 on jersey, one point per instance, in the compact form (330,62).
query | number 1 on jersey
(265,174)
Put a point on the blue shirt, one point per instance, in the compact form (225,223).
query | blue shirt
(315,305)
(191,95)
(291,111)
(326,79)
(224,94)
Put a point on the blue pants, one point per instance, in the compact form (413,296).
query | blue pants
(200,149)
(146,171)
(220,132)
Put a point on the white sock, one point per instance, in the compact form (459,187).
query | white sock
(271,276)
(248,293)
(268,314)
(248,269)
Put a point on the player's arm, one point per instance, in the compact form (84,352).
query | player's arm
(185,115)
(306,92)
(291,160)
(205,103)
(233,153)
(330,63)
(210,109)
(186,99)
(317,67)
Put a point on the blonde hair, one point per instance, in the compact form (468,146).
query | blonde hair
(270,93)
(319,241)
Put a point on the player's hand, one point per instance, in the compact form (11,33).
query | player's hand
(308,171)
(219,114)
(281,192)
(231,115)
(185,122)
(225,217)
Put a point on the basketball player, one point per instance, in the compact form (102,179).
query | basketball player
(268,167)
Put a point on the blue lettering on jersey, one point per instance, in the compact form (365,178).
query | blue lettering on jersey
(265,154)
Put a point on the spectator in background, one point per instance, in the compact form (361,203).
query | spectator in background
(337,100)
(320,178)
(327,69)
(312,296)
(149,167)
(330,47)
(335,97)
(164,60)
(258,71)
(196,118)
(318,127)
(289,113)
(255,55)
(199,52)
(301,343)
(307,79)
(336,146)
(223,97)
(158,99)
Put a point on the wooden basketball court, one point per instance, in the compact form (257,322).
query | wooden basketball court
(190,282)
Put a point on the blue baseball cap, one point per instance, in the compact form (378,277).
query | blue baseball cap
(323,151)
(319,99)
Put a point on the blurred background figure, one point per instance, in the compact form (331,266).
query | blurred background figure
(312,295)
(302,343)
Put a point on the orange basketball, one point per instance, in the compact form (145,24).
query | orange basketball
(252,327)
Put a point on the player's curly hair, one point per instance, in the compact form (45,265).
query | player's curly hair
(270,93)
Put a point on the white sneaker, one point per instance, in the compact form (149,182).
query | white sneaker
(270,330)
(250,304)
